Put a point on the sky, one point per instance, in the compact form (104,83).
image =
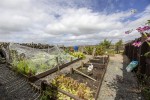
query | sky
(71,22)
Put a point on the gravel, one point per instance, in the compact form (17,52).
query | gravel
(118,84)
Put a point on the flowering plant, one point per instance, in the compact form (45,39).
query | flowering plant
(137,44)
(148,39)
(143,29)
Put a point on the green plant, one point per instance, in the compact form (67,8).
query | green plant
(144,82)
(100,50)
(119,43)
(147,54)
(23,67)
(110,52)
(146,92)
(78,54)
(106,43)
(70,85)
(89,50)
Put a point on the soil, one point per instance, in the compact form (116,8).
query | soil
(64,70)
(82,79)
(96,73)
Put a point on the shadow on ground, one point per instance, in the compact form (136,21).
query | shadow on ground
(126,85)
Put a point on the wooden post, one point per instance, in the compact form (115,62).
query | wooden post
(84,74)
(48,49)
(43,85)
(57,64)
(82,63)
(94,50)
(71,70)
(71,59)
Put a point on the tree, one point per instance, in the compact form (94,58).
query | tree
(106,43)
(118,45)
(148,22)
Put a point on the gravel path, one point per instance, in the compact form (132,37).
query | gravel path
(118,84)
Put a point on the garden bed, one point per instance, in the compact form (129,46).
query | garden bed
(99,60)
(96,73)
(33,78)
(41,75)
(37,63)
(77,84)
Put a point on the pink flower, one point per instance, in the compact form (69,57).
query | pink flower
(137,44)
(145,28)
(129,31)
(134,44)
(148,38)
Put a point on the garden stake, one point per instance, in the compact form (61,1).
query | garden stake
(84,75)
(57,64)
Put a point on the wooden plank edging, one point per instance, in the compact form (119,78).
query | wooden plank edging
(41,75)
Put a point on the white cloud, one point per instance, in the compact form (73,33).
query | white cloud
(47,21)
(84,21)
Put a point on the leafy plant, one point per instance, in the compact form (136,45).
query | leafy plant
(78,54)
(144,82)
(147,54)
(89,50)
(146,92)
(72,86)
(100,50)
(106,43)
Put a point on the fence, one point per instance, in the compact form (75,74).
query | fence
(137,53)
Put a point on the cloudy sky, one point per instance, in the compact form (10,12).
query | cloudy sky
(71,22)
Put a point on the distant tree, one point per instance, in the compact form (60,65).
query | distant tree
(118,45)
(148,22)
(106,43)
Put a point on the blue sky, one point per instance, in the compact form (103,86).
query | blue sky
(71,22)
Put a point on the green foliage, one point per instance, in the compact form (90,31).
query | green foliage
(100,50)
(44,97)
(22,67)
(146,92)
(148,22)
(144,82)
(147,54)
(38,62)
(106,43)
(70,85)
(119,43)
(89,50)
(78,54)
(110,52)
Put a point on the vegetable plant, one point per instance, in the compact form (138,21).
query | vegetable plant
(78,54)
(72,86)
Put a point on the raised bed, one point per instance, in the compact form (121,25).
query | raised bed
(50,71)
(100,60)
(96,73)
(91,80)
(41,75)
